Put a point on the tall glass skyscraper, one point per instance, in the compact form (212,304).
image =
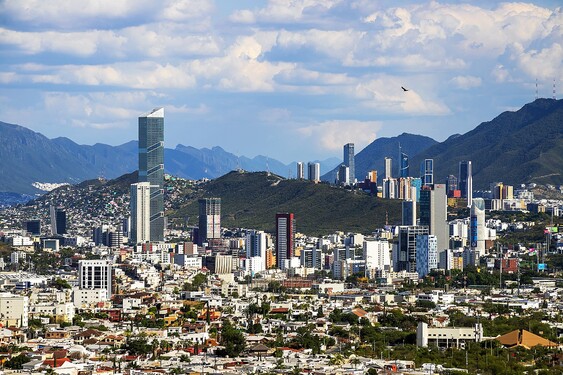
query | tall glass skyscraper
(151,167)
(404,172)
(466,181)
(349,161)
(427,172)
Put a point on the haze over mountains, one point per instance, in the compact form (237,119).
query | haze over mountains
(515,147)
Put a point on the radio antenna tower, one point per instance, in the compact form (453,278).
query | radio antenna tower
(537,89)
(553,88)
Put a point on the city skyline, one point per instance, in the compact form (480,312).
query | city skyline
(304,78)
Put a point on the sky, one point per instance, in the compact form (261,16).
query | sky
(288,79)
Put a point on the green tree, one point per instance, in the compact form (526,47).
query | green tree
(232,340)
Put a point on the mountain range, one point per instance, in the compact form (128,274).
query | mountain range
(515,147)
(29,157)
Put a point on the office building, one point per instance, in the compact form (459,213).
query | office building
(376,255)
(477,226)
(255,244)
(95,274)
(406,251)
(151,167)
(311,258)
(60,218)
(344,175)
(452,186)
(209,220)
(466,181)
(285,239)
(58,221)
(388,167)
(426,254)
(300,170)
(33,227)
(140,205)
(404,168)
(372,176)
(389,188)
(349,162)
(427,172)
(408,212)
(314,170)
(433,213)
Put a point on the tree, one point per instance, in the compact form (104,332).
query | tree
(232,340)
(16,363)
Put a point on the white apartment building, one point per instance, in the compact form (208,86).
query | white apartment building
(95,274)
(14,310)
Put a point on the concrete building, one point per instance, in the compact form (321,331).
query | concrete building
(349,161)
(376,255)
(447,337)
(14,310)
(434,214)
(314,171)
(388,167)
(209,220)
(140,213)
(300,170)
(285,238)
(95,274)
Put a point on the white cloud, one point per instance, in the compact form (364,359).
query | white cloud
(466,82)
(286,11)
(386,95)
(331,135)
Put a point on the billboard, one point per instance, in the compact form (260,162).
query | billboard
(542,266)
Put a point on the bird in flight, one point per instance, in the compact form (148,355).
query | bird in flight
(404,89)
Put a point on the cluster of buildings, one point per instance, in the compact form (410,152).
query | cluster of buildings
(139,273)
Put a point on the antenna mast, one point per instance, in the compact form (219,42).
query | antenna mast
(553,88)
(537,89)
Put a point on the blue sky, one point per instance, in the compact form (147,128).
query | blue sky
(292,80)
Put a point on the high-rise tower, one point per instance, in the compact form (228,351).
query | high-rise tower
(427,172)
(285,238)
(349,161)
(151,167)
(314,170)
(140,212)
(404,172)
(209,219)
(388,167)
(466,181)
(433,213)
(300,170)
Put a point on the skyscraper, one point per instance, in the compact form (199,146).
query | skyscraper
(285,239)
(477,227)
(426,254)
(349,161)
(300,170)
(209,219)
(314,170)
(151,167)
(409,212)
(388,167)
(344,177)
(433,213)
(60,217)
(404,172)
(427,172)
(466,181)
(140,212)
(33,226)
(58,221)
(406,260)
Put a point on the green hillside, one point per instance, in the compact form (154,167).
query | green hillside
(515,147)
(251,200)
